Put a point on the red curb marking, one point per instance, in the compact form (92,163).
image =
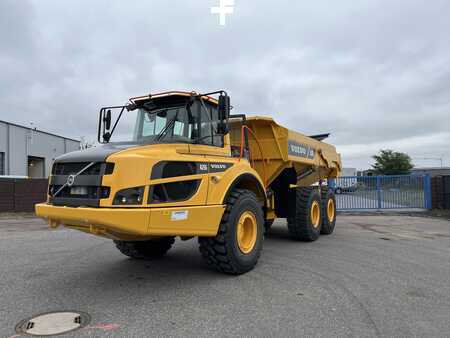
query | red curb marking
(104,327)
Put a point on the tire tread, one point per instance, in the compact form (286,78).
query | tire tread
(215,250)
(327,227)
(298,224)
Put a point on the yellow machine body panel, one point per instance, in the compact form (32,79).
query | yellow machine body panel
(136,223)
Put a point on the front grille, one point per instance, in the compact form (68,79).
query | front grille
(91,192)
(86,190)
(73,168)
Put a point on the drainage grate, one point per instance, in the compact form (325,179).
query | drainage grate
(53,323)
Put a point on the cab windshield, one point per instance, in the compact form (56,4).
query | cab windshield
(193,122)
(164,125)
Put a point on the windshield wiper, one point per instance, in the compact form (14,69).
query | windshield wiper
(166,128)
(168,125)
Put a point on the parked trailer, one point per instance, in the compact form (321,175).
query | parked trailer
(192,169)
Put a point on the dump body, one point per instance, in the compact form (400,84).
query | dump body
(274,148)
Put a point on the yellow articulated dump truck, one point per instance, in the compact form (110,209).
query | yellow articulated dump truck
(179,164)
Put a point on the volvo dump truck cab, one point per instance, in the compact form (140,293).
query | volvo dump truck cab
(186,167)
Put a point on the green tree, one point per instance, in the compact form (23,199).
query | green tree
(389,162)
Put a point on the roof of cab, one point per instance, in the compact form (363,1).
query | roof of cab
(171,93)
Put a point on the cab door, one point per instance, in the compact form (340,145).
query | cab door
(207,141)
(187,179)
(181,179)
(215,149)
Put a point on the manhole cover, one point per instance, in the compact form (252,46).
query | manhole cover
(53,323)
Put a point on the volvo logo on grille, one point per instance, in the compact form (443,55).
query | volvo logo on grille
(70,180)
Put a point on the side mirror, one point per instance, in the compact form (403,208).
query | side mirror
(224,113)
(107,119)
(224,107)
(106,136)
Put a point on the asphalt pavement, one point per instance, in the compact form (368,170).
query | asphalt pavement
(375,276)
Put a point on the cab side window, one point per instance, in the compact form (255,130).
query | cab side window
(208,128)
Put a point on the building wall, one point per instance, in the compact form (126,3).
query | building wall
(433,172)
(3,144)
(24,142)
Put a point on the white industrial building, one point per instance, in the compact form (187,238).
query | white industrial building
(29,152)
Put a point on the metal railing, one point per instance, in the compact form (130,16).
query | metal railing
(382,192)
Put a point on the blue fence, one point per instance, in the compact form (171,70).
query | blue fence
(382,192)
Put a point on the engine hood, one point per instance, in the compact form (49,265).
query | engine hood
(95,154)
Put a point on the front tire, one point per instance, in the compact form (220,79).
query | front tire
(145,249)
(237,246)
(305,222)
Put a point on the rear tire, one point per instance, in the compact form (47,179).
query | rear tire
(145,249)
(328,212)
(237,246)
(305,222)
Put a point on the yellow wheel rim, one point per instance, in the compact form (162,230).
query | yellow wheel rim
(330,210)
(247,231)
(315,214)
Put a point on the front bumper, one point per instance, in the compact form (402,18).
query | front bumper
(128,223)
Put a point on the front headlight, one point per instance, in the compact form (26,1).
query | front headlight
(130,196)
